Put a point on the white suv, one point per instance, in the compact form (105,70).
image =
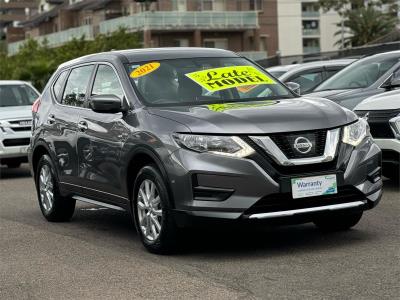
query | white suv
(384,119)
(16,99)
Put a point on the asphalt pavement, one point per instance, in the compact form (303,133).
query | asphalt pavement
(98,255)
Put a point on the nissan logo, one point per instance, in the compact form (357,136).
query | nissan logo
(302,145)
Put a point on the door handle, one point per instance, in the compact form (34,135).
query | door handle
(83,126)
(51,119)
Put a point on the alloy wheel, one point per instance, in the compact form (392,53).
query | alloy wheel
(149,210)
(46,188)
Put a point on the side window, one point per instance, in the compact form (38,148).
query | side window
(75,90)
(308,81)
(59,84)
(106,82)
(331,72)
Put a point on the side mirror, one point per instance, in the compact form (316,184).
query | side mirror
(105,103)
(294,87)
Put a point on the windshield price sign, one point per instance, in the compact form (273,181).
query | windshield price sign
(229,77)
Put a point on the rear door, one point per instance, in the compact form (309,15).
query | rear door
(100,141)
(62,120)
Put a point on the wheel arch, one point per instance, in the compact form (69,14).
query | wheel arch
(40,149)
(139,158)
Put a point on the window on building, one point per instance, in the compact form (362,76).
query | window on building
(179,5)
(216,43)
(77,83)
(181,43)
(107,82)
(255,4)
(311,45)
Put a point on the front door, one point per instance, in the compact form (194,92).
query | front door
(100,140)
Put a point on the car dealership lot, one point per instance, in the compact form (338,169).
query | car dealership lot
(98,255)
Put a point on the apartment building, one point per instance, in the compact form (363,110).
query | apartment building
(304,29)
(12,12)
(247,26)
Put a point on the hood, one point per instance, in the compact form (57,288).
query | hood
(16,112)
(385,101)
(335,94)
(259,117)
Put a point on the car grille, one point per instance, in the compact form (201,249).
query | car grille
(378,121)
(286,143)
(285,201)
(16,142)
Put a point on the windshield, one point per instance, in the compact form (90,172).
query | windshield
(17,95)
(202,81)
(360,74)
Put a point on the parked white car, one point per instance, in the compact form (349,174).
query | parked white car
(16,99)
(384,119)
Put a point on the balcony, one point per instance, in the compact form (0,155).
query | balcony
(57,38)
(190,20)
(310,14)
(311,31)
(311,49)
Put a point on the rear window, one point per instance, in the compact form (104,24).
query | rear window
(17,95)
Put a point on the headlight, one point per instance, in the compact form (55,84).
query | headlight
(395,123)
(354,134)
(223,145)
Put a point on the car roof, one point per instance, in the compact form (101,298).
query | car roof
(147,54)
(14,82)
(310,65)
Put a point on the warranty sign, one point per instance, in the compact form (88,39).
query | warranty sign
(229,77)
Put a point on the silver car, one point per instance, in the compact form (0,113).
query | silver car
(16,99)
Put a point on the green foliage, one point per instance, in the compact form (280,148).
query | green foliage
(364,21)
(364,25)
(36,62)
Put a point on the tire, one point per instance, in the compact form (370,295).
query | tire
(57,208)
(13,165)
(147,210)
(392,172)
(338,222)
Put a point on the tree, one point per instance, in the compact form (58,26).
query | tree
(364,25)
(36,62)
(363,21)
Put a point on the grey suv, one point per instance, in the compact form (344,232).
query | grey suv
(170,136)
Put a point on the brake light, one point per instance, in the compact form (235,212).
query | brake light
(35,105)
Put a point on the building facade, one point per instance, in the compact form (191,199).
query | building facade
(12,13)
(247,26)
(304,29)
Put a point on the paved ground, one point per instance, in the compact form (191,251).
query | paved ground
(99,256)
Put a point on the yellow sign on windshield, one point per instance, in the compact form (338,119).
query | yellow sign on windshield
(229,77)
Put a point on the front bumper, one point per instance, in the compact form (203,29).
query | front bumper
(14,145)
(390,151)
(211,186)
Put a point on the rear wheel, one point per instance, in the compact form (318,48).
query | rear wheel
(54,207)
(337,222)
(152,213)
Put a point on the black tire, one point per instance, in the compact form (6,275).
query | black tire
(62,208)
(13,165)
(166,242)
(392,172)
(338,222)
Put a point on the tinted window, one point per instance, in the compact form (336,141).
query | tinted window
(106,82)
(331,72)
(75,90)
(360,74)
(17,95)
(307,81)
(59,84)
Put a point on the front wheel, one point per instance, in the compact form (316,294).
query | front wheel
(337,222)
(152,213)
(54,207)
